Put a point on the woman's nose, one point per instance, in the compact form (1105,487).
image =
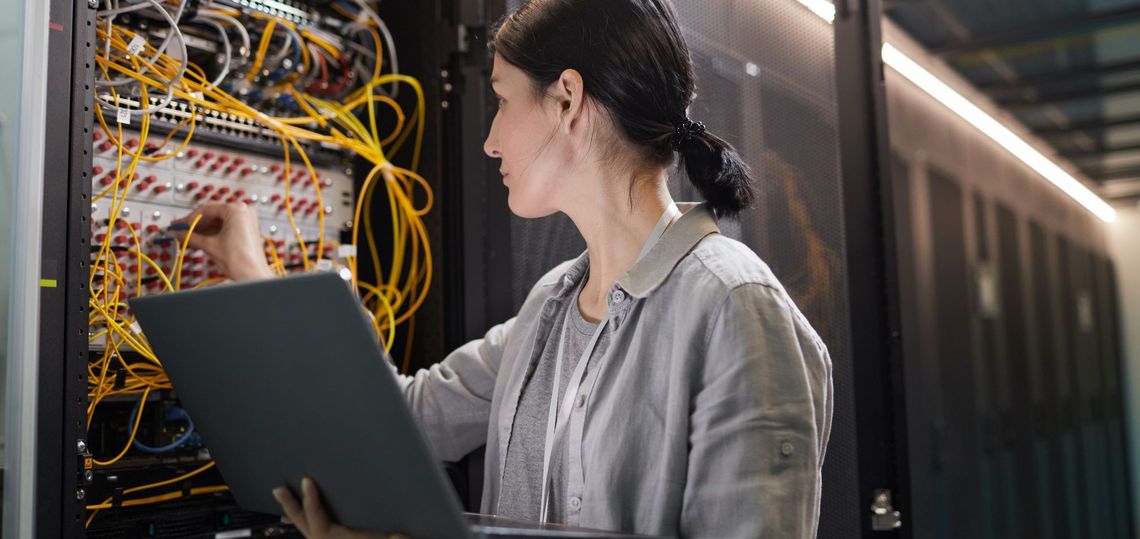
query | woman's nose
(491,145)
(490,148)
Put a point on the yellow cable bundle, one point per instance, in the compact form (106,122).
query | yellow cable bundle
(399,288)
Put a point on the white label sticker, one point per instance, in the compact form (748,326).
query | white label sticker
(136,45)
(325,264)
(136,328)
(123,116)
(346,251)
(197,95)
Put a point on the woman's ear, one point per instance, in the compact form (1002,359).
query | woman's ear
(569,93)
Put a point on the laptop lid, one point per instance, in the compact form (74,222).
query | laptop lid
(285,378)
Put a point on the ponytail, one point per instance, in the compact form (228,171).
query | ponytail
(715,169)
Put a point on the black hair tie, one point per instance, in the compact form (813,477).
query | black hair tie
(685,132)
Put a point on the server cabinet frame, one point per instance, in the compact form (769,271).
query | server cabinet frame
(872,270)
(60,480)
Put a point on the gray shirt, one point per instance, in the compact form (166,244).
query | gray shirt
(522,477)
(707,415)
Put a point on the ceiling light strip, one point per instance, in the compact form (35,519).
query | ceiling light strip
(997,131)
(824,9)
(980,119)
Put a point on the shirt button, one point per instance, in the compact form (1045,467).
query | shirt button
(787,449)
(581,400)
(575,502)
(618,296)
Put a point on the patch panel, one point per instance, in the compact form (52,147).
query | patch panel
(201,173)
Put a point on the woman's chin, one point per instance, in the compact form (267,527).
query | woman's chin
(527,209)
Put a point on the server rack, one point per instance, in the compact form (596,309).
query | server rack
(815,148)
(1012,367)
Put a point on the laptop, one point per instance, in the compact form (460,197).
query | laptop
(285,378)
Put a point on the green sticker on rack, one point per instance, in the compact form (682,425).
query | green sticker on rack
(47,283)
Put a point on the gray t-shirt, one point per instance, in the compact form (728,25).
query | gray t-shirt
(522,478)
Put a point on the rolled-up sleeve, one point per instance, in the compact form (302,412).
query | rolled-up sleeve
(761,412)
(451,400)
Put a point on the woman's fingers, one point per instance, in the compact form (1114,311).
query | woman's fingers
(230,235)
(315,514)
(197,241)
(212,210)
(210,218)
(293,510)
(310,518)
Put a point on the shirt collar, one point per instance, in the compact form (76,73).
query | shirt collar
(696,222)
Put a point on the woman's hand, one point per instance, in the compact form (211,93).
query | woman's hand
(310,518)
(229,234)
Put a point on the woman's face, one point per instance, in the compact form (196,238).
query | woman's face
(525,137)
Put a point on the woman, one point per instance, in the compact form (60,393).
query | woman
(663,382)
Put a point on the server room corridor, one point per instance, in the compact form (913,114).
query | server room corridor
(570,268)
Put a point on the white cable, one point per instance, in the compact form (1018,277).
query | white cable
(173,20)
(362,70)
(245,50)
(361,48)
(277,58)
(225,45)
(119,11)
(307,79)
(173,81)
(388,41)
(110,27)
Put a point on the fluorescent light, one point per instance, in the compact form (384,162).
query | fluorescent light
(977,117)
(823,8)
(994,129)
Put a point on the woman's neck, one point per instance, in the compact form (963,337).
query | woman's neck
(615,233)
